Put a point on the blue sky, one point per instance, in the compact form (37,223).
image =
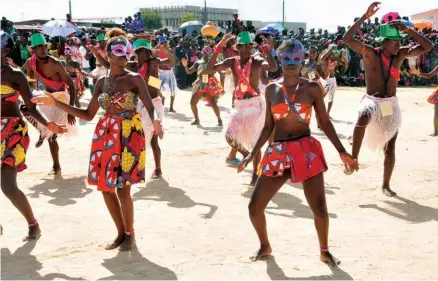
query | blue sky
(317,13)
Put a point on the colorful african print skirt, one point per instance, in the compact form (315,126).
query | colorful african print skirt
(304,157)
(118,155)
(15,141)
(433,99)
(212,87)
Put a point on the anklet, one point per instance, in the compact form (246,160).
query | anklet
(325,250)
(33,224)
(129,233)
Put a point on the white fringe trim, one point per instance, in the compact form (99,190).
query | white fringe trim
(247,121)
(380,130)
(148,126)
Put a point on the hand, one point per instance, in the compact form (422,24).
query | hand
(71,119)
(184,62)
(225,39)
(242,165)
(46,99)
(91,48)
(372,9)
(333,65)
(10,62)
(350,163)
(398,24)
(414,71)
(57,129)
(158,128)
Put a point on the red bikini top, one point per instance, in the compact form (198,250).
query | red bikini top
(300,112)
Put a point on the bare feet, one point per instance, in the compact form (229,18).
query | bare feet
(219,123)
(128,243)
(157,174)
(56,170)
(253,180)
(263,251)
(196,122)
(388,192)
(328,259)
(434,135)
(39,142)
(172,110)
(117,242)
(34,233)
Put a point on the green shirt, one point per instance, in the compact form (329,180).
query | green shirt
(24,53)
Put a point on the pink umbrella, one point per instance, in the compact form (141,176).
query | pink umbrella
(393,15)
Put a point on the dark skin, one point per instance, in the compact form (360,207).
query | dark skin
(51,68)
(163,48)
(258,63)
(196,97)
(119,204)
(429,76)
(316,67)
(289,128)
(16,79)
(375,83)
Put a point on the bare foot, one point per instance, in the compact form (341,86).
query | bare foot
(39,142)
(34,233)
(172,110)
(116,243)
(388,192)
(263,251)
(157,174)
(219,123)
(56,171)
(434,135)
(328,259)
(128,243)
(253,180)
(196,122)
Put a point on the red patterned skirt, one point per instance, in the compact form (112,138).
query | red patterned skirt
(304,157)
(212,88)
(14,142)
(118,155)
(433,99)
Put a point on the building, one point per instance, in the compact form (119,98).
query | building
(295,26)
(431,15)
(171,16)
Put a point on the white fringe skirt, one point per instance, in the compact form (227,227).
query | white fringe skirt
(168,82)
(247,121)
(380,129)
(148,126)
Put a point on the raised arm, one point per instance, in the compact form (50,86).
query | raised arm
(171,59)
(355,44)
(99,57)
(270,64)
(424,45)
(213,66)
(190,70)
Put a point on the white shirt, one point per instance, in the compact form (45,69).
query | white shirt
(85,62)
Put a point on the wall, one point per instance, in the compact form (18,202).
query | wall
(431,15)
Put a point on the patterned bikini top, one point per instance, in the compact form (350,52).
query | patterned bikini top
(300,112)
(243,85)
(9,94)
(124,100)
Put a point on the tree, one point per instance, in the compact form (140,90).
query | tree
(188,17)
(152,18)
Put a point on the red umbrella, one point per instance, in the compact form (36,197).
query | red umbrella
(393,15)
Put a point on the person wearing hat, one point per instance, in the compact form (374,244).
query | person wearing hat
(247,120)
(14,133)
(167,76)
(379,111)
(54,77)
(148,67)
(102,45)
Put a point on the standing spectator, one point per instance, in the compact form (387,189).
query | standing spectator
(181,53)
(236,24)
(85,54)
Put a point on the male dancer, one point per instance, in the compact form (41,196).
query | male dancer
(379,112)
(55,79)
(247,121)
(167,77)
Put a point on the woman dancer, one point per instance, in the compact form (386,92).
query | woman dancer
(118,155)
(433,99)
(312,70)
(294,154)
(206,86)
(14,136)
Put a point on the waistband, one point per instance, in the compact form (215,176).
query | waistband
(123,115)
(394,98)
(165,70)
(293,139)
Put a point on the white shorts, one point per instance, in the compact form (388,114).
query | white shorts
(331,83)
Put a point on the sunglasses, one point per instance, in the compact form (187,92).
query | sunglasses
(291,58)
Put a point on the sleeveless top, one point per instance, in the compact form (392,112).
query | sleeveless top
(8,94)
(123,100)
(300,112)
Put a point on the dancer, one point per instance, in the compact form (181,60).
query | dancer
(294,153)
(379,111)
(14,133)
(75,72)
(118,155)
(329,61)
(167,77)
(53,75)
(206,85)
(247,120)
(312,70)
(433,99)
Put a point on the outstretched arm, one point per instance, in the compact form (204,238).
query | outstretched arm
(424,44)
(426,75)
(213,66)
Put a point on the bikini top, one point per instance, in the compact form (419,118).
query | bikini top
(300,112)
(123,100)
(8,94)
(54,85)
(243,85)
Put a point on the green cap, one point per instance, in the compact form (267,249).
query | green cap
(142,43)
(388,32)
(100,37)
(244,38)
(37,39)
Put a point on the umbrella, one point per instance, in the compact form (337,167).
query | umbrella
(59,28)
(421,24)
(393,15)
(191,26)
(272,28)
(190,23)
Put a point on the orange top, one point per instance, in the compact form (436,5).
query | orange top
(300,112)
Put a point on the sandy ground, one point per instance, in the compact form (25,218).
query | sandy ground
(193,224)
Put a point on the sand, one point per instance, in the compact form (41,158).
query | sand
(193,224)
